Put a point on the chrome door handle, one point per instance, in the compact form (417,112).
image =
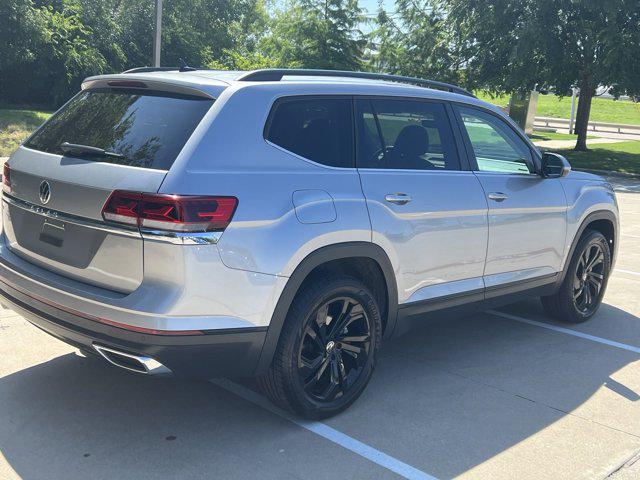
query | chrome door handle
(398,198)
(498,196)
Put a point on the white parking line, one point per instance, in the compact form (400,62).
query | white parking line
(329,433)
(568,331)
(630,272)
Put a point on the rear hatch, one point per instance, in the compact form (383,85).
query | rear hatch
(57,183)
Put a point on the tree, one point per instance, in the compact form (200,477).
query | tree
(67,55)
(199,31)
(55,44)
(22,33)
(514,45)
(317,34)
(48,44)
(413,42)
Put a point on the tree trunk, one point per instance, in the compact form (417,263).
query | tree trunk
(587,91)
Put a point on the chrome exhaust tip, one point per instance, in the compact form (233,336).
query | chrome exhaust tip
(134,363)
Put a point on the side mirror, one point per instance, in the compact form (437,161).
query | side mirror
(554,165)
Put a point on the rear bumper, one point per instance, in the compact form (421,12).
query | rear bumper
(231,352)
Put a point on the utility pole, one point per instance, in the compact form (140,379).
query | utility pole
(157,34)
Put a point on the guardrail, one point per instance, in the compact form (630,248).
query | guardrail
(550,122)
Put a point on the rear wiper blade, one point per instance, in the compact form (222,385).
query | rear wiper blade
(77,149)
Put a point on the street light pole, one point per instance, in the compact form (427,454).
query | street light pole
(157,37)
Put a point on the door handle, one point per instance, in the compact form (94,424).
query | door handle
(498,196)
(398,198)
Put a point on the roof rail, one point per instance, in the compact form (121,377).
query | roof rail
(276,74)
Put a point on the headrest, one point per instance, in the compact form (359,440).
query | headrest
(412,141)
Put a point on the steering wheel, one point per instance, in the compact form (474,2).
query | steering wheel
(379,156)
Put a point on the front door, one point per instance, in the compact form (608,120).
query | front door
(428,213)
(527,213)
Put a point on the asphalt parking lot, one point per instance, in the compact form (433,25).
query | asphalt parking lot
(498,395)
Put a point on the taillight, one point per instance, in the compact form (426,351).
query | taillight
(178,213)
(122,207)
(6,179)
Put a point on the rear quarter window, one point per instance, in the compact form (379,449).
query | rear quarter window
(147,129)
(319,129)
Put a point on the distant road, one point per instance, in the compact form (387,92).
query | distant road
(611,130)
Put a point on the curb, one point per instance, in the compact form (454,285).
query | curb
(610,174)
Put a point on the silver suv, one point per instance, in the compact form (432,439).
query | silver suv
(282,223)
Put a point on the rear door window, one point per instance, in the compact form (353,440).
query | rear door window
(404,134)
(318,129)
(145,129)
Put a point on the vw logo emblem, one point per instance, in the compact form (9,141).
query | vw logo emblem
(45,192)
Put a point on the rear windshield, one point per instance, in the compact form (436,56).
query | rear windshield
(145,129)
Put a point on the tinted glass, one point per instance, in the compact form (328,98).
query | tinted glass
(148,129)
(496,146)
(315,128)
(405,134)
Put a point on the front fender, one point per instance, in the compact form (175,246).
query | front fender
(588,201)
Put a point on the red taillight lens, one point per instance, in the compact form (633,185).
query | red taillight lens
(180,213)
(122,207)
(6,179)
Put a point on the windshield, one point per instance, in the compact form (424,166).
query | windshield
(142,129)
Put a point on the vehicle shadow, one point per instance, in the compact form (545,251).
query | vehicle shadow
(453,394)
(445,398)
(78,418)
(611,322)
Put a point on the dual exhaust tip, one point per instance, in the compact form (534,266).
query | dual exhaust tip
(134,363)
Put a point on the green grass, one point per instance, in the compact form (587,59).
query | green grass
(538,136)
(16,125)
(602,109)
(612,157)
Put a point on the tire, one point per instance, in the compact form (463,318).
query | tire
(320,367)
(579,297)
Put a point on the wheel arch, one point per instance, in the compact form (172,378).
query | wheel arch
(603,221)
(312,263)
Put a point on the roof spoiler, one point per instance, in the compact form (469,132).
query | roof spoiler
(276,74)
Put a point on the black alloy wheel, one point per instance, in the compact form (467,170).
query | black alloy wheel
(589,279)
(580,294)
(334,349)
(327,348)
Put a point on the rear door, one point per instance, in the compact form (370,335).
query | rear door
(527,213)
(52,208)
(426,210)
